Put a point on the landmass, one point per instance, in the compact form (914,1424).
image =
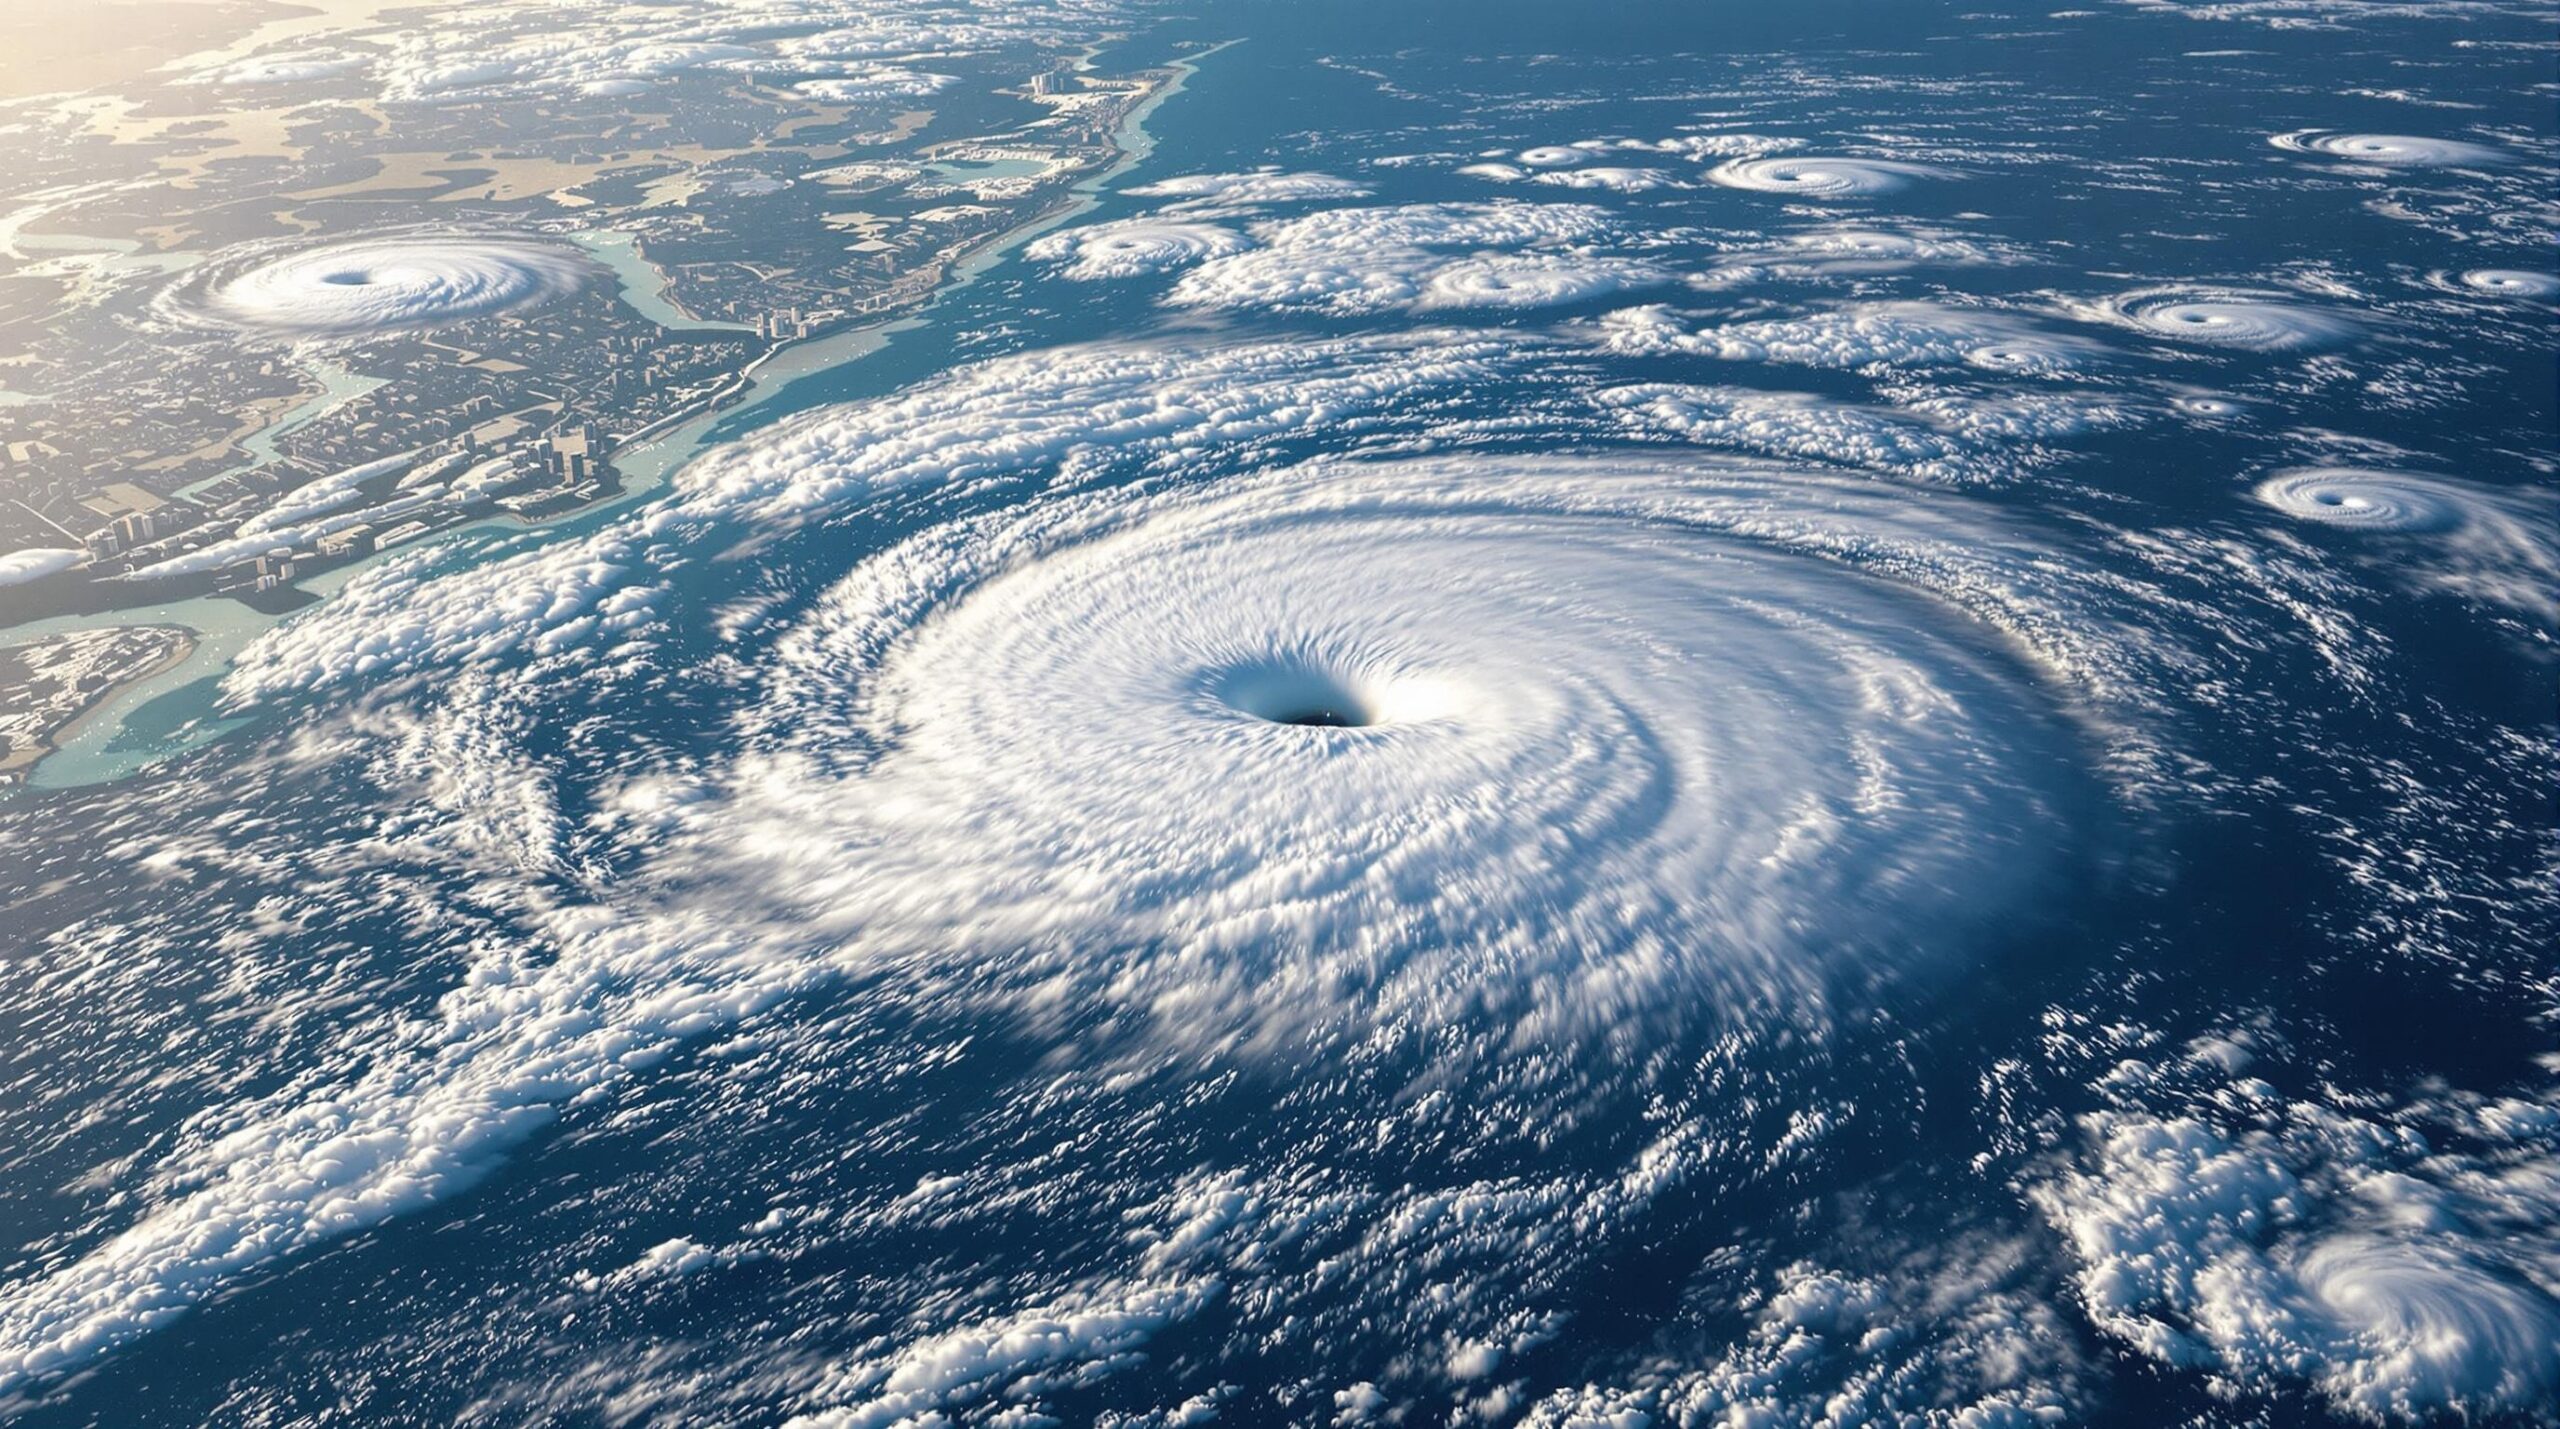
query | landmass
(200,412)
(47,686)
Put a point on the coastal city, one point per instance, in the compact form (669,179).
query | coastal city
(236,405)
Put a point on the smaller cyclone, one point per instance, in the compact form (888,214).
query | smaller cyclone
(379,285)
(1136,247)
(2025,355)
(2511,282)
(2255,322)
(2363,497)
(1553,156)
(2207,406)
(2422,1328)
(1813,177)
(1532,280)
(2411,150)
(2491,546)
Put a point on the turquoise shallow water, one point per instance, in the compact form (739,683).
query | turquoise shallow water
(180,708)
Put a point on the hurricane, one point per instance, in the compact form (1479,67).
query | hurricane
(1592,743)
(1532,280)
(2206,405)
(2497,548)
(2362,497)
(1136,247)
(1549,156)
(2512,282)
(2220,317)
(2411,150)
(1824,178)
(380,285)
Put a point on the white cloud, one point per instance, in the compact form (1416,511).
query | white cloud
(20,567)
(367,286)
(1135,247)
(1265,186)
(510,48)
(1805,176)
(915,1383)
(1417,256)
(1945,438)
(2242,1252)
(1891,334)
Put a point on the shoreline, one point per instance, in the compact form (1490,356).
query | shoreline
(17,768)
(218,628)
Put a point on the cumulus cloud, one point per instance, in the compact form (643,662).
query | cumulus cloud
(1845,252)
(916,1383)
(879,82)
(2239,1252)
(1945,438)
(1949,1347)
(1613,178)
(605,47)
(1889,334)
(1248,190)
(1419,256)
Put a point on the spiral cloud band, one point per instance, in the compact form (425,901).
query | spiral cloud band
(383,285)
(2249,321)
(1576,740)
(2512,282)
(2358,496)
(1827,178)
(1136,247)
(2491,546)
(2409,150)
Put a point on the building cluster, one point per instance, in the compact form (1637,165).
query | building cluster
(366,509)
(496,416)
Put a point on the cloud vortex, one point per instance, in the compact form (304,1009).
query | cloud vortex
(1574,741)
(381,285)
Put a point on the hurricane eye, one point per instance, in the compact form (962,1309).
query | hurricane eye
(1295,691)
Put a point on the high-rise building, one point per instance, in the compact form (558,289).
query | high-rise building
(571,455)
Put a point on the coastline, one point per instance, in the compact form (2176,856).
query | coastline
(218,628)
(19,764)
